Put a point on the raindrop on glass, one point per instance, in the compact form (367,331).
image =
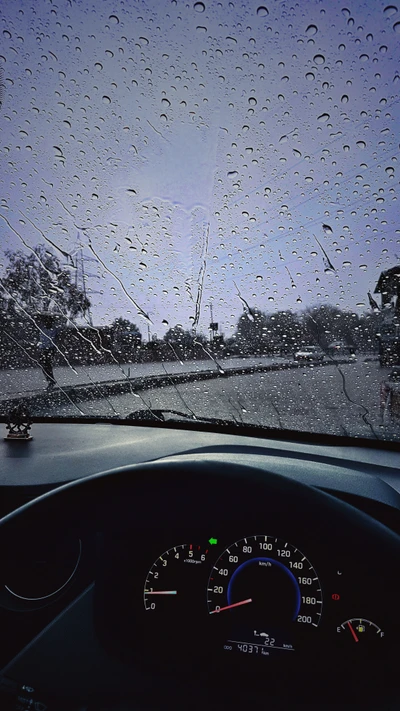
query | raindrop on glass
(199,6)
(311,30)
(319,59)
(262,11)
(390,10)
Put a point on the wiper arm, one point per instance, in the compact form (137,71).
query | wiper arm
(161,415)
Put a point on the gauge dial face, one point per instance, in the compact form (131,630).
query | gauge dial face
(44,572)
(172,583)
(361,630)
(263,590)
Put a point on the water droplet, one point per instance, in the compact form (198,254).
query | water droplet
(98,66)
(109,53)
(396,27)
(114,19)
(144,40)
(199,6)
(262,11)
(164,117)
(370,37)
(252,101)
(283,139)
(319,59)
(165,322)
(389,170)
(344,99)
(364,57)
(309,179)
(323,118)
(296,153)
(363,267)
(95,196)
(106,100)
(390,10)
(346,148)
(383,49)
(361,144)
(327,229)
(6,34)
(165,102)
(233,174)
(271,298)
(310,76)
(311,30)
(259,277)
(131,191)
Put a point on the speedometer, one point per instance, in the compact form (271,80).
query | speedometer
(264,594)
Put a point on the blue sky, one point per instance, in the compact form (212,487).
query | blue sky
(198,148)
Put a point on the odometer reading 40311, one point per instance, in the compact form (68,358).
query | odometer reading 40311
(264,594)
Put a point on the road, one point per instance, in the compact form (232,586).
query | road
(329,398)
(30,381)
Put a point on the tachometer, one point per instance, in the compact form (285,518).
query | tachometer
(172,582)
(263,591)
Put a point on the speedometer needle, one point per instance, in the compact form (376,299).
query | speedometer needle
(229,607)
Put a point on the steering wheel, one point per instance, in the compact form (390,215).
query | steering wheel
(200,493)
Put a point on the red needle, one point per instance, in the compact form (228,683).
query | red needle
(352,632)
(229,607)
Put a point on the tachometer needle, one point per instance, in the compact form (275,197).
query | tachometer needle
(229,607)
(161,592)
(352,632)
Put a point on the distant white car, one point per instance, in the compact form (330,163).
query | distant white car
(310,354)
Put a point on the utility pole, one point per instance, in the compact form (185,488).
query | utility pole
(81,275)
(213,324)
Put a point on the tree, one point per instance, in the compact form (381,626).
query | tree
(177,336)
(252,332)
(126,336)
(37,282)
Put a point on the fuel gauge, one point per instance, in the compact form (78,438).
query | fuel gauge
(358,629)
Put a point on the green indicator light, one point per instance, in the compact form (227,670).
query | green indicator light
(213,541)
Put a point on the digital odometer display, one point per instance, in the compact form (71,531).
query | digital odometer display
(264,594)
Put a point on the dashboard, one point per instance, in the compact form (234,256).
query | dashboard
(229,559)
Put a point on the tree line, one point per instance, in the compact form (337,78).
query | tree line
(37,284)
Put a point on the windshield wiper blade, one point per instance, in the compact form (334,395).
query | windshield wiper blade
(164,415)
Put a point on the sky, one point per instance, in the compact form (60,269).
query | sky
(196,149)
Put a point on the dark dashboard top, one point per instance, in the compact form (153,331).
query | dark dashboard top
(61,452)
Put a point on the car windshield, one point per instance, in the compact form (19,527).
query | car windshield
(191,194)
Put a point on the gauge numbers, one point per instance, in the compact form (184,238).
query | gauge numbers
(171,580)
